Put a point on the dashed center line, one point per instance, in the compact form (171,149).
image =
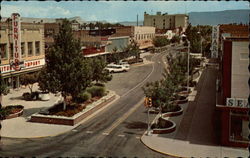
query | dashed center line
(105,133)
(89,132)
(121,135)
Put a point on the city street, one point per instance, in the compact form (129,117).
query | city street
(115,131)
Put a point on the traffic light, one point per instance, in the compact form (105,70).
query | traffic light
(149,102)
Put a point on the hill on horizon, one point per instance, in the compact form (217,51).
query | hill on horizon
(210,18)
(219,17)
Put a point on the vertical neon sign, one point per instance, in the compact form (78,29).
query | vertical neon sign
(16,34)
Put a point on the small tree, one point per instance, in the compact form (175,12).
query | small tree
(3,88)
(175,39)
(99,73)
(67,71)
(29,80)
(160,41)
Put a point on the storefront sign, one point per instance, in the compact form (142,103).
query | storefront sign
(238,102)
(16,34)
(215,42)
(27,65)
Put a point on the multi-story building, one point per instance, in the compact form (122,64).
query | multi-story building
(144,36)
(166,21)
(232,85)
(32,51)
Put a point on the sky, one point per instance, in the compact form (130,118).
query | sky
(112,11)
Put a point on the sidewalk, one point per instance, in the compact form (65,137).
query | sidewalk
(195,134)
(20,127)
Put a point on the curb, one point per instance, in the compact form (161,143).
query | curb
(168,154)
(78,124)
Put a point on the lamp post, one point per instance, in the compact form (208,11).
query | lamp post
(184,37)
(188,66)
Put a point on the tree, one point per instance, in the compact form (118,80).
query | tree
(175,39)
(29,80)
(160,41)
(99,73)
(66,70)
(3,88)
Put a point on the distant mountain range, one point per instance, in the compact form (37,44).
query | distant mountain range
(210,18)
(220,17)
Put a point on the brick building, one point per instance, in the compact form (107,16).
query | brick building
(32,51)
(232,85)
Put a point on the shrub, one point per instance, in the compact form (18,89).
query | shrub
(82,97)
(4,112)
(31,96)
(100,84)
(27,96)
(96,91)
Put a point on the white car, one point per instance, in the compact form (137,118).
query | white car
(125,63)
(117,68)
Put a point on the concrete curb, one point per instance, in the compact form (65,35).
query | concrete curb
(73,127)
(168,154)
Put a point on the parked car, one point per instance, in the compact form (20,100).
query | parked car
(117,68)
(125,63)
(133,61)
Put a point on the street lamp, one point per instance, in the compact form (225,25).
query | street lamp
(201,41)
(184,38)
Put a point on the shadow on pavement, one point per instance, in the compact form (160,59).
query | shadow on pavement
(198,124)
(29,112)
(136,125)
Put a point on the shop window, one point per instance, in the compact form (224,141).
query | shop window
(37,46)
(30,49)
(239,126)
(3,49)
(23,49)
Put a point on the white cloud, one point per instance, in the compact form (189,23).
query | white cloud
(35,11)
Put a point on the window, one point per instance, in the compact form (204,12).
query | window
(23,49)
(30,49)
(37,46)
(3,49)
(244,56)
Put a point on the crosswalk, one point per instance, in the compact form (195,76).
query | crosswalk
(135,135)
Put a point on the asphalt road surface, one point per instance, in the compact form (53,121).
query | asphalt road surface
(115,131)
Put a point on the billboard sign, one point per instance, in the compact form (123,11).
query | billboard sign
(215,42)
(16,35)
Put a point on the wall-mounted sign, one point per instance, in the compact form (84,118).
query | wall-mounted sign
(16,34)
(26,65)
(238,102)
(215,42)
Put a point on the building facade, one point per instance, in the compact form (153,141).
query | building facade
(166,21)
(144,36)
(232,87)
(32,51)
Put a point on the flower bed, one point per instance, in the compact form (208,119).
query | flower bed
(11,111)
(175,112)
(181,99)
(75,115)
(163,126)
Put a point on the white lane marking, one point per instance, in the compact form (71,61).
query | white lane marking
(74,130)
(140,82)
(137,137)
(121,135)
(105,133)
(124,117)
(89,132)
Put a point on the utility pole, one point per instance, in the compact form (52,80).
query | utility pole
(137,21)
